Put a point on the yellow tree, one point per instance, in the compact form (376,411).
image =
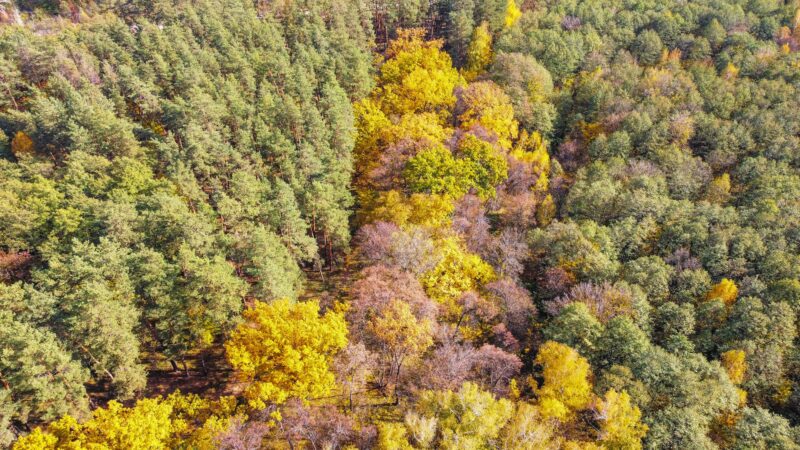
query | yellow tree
(467,419)
(392,436)
(401,335)
(417,77)
(370,123)
(284,350)
(458,271)
(22,144)
(513,13)
(479,52)
(427,210)
(483,103)
(734,363)
(529,430)
(719,190)
(566,386)
(376,132)
(148,425)
(178,421)
(620,422)
(531,149)
(411,103)
(725,290)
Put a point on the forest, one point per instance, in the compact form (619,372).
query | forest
(399,225)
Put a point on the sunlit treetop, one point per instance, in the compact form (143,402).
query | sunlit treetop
(285,349)
(417,76)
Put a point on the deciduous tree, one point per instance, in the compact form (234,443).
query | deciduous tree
(284,350)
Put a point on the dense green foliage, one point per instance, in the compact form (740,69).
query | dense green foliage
(576,222)
(158,168)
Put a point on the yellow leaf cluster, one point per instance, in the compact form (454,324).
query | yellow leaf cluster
(417,127)
(458,271)
(467,419)
(392,436)
(427,210)
(400,331)
(370,122)
(719,191)
(513,14)
(417,77)
(735,365)
(730,72)
(284,350)
(529,430)
(488,106)
(178,421)
(725,290)
(620,425)
(147,425)
(22,144)
(566,386)
(479,52)
(580,445)
(546,211)
(531,149)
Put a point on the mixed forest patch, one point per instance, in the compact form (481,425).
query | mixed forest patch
(566,224)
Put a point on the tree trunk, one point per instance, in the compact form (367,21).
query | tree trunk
(203,364)
(330,255)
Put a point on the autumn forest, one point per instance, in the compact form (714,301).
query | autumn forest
(399,225)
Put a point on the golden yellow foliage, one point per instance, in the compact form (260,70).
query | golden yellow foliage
(730,72)
(36,440)
(21,144)
(402,335)
(211,417)
(531,149)
(417,127)
(427,210)
(485,104)
(284,350)
(735,365)
(566,386)
(546,211)
(513,390)
(620,424)
(529,430)
(468,419)
(580,445)
(719,191)
(479,52)
(513,14)
(674,55)
(742,394)
(458,271)
(725,290)
(178,421)
(417,77)
(147,425)
(783,392)
(590,130)
(392,436)
(370,122)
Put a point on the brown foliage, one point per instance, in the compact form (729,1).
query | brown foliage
(14,266)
